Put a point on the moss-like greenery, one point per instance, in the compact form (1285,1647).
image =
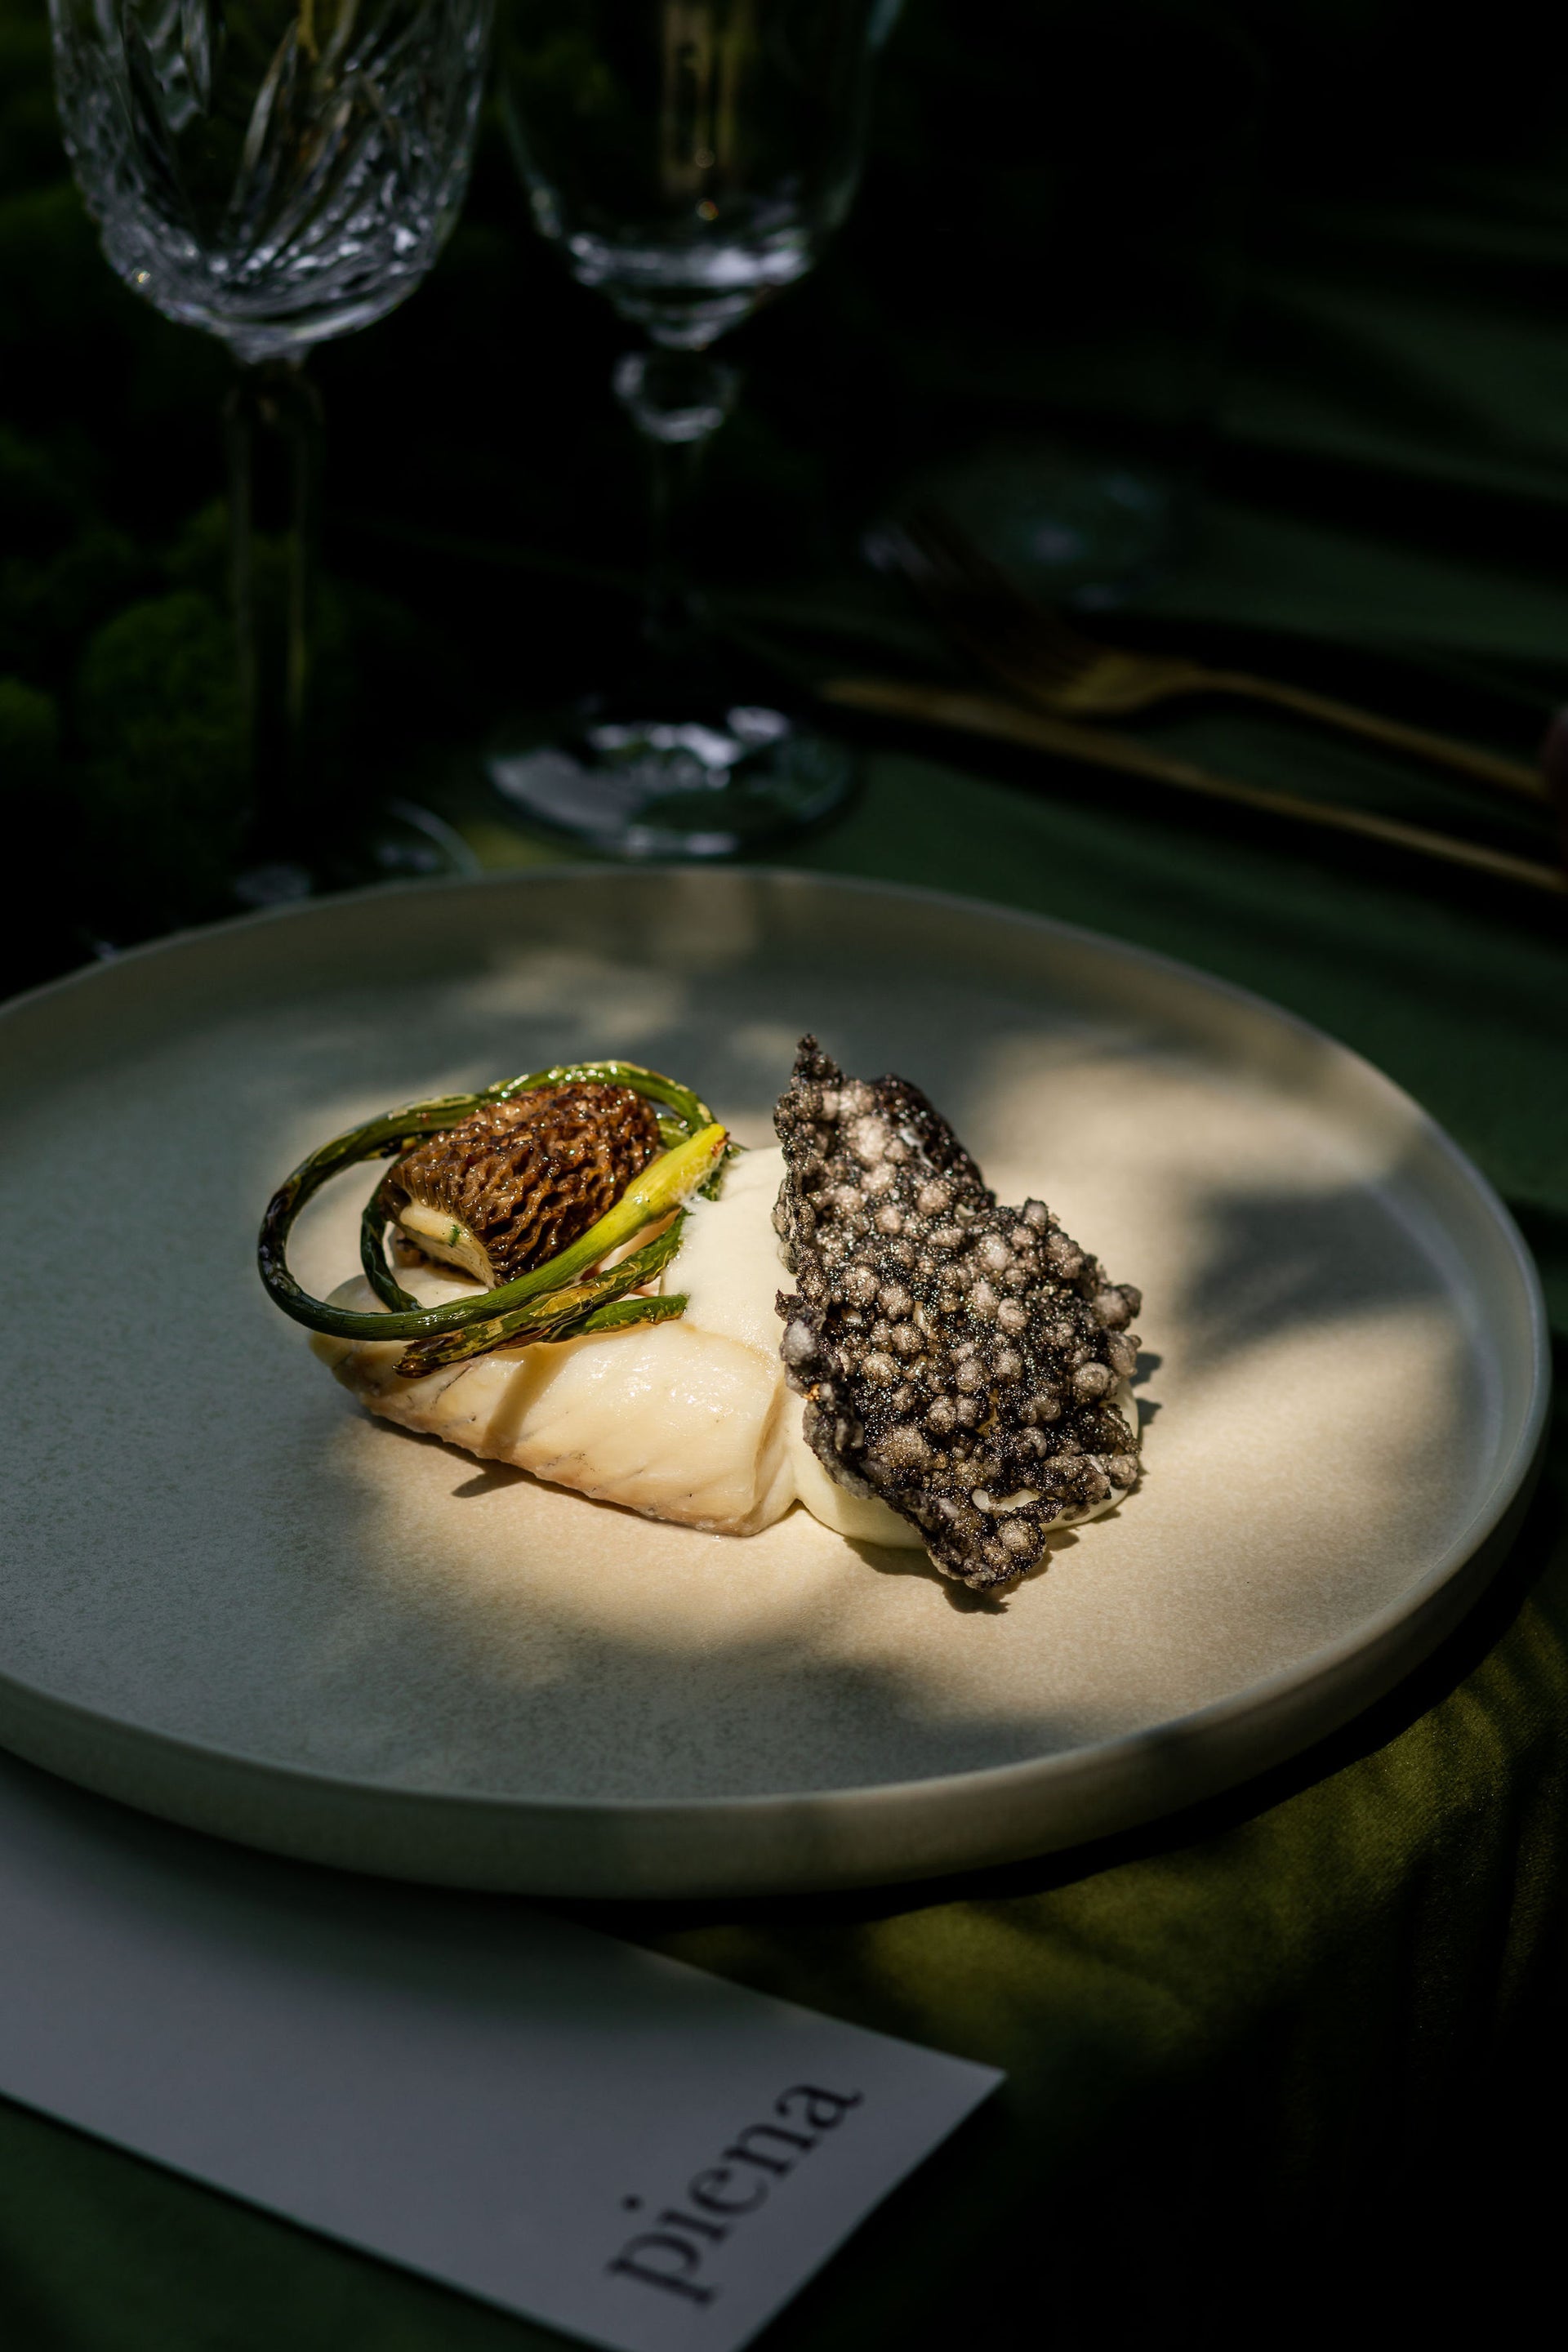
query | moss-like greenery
(164,777)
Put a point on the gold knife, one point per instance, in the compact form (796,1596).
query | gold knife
(993,716)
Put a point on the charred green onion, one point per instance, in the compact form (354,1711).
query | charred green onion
(571,1293)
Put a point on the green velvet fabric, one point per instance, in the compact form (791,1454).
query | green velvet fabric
(1294,2063)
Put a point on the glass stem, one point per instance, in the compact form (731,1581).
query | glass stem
(671,617)
(273,427)
(677,400)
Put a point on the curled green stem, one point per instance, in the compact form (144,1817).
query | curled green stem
(558,1314)
(696,1148)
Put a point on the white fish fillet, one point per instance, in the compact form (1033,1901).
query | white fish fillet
(666,1420)
(690,1420)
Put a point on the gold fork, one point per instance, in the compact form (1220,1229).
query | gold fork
(1035,653)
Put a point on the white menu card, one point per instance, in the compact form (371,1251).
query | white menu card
(630,2149)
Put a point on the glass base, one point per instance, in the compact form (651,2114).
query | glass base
(737,779)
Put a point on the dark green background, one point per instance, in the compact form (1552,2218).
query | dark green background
(1297,2064)
(1388,478)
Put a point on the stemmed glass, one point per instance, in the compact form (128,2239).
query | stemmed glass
(276,172)
(688,159)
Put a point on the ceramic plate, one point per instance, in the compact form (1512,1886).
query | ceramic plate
(231,1598)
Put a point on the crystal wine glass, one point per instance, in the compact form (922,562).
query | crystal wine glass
(275,171)
(688,159)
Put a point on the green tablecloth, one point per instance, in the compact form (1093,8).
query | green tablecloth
(1274,2067)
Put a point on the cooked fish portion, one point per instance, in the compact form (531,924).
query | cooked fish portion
(665,1419)
(961,1361)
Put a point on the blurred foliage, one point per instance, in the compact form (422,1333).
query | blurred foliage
(158,714)
(29,749)
(482,520)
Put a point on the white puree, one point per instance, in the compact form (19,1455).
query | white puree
(730,1268)
(690,1420)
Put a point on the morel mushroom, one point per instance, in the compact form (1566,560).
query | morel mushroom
(515,1182)
(573,1150)
(960,1359)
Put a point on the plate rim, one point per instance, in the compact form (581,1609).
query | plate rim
(1368,1638)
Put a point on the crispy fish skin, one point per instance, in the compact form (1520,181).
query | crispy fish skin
(959,1359)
